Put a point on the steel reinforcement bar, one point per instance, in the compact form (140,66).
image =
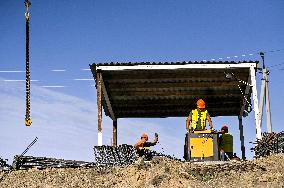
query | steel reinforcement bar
(270,143)
(105,156)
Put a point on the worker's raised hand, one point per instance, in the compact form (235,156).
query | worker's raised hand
(156,137)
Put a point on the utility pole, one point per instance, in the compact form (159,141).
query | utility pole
(264,96)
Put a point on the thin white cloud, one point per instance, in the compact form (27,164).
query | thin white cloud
(59,70)
(19,80)
(53,86)
(85,69)
(13,71)
(83,79)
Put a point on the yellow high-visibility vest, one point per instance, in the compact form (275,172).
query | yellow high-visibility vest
(198,119)
(227,142)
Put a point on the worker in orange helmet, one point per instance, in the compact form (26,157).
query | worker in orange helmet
(142,146)
(225,144)
(196,120)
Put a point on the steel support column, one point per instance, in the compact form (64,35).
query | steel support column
(99,104)
(241,128)
(114,132)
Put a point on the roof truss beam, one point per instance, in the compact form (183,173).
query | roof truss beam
(170,67)
(107,100)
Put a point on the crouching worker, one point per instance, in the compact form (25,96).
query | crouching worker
(142,146)
(225,144)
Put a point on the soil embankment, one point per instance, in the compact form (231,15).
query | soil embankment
(161,172)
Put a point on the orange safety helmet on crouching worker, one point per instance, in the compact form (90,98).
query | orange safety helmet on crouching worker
(200,103)
(224,127)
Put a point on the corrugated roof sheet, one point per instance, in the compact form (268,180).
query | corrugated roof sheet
(169,63)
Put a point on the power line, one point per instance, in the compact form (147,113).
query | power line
(272,51)
(279,64)
(19,80)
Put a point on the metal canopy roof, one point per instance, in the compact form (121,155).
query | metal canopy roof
(172,89)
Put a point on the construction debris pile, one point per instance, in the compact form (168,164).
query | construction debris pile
(270,143)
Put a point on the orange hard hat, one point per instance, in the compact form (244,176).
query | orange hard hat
(144,135)
(200,103)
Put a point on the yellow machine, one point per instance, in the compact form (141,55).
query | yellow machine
(201,146)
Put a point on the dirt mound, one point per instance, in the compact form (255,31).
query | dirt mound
(160,172)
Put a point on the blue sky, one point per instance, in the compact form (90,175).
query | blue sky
(69,35)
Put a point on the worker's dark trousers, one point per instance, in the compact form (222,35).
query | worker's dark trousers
(147,153)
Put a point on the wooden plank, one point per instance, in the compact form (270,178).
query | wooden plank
(174,113)
(107,100)
(99,106)
(187,92)
(114,132)
(169,75)
(171,105)
(165,80)
(174,87)
(172,97)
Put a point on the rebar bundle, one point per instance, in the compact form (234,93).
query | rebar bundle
(121,155)
(115,156)
(105,156)
(270,143)
(27,162)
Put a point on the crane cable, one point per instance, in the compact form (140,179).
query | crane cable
(28,120)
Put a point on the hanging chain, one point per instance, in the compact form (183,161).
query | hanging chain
(28,120)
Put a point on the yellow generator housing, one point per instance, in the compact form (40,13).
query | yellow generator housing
(201,146)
